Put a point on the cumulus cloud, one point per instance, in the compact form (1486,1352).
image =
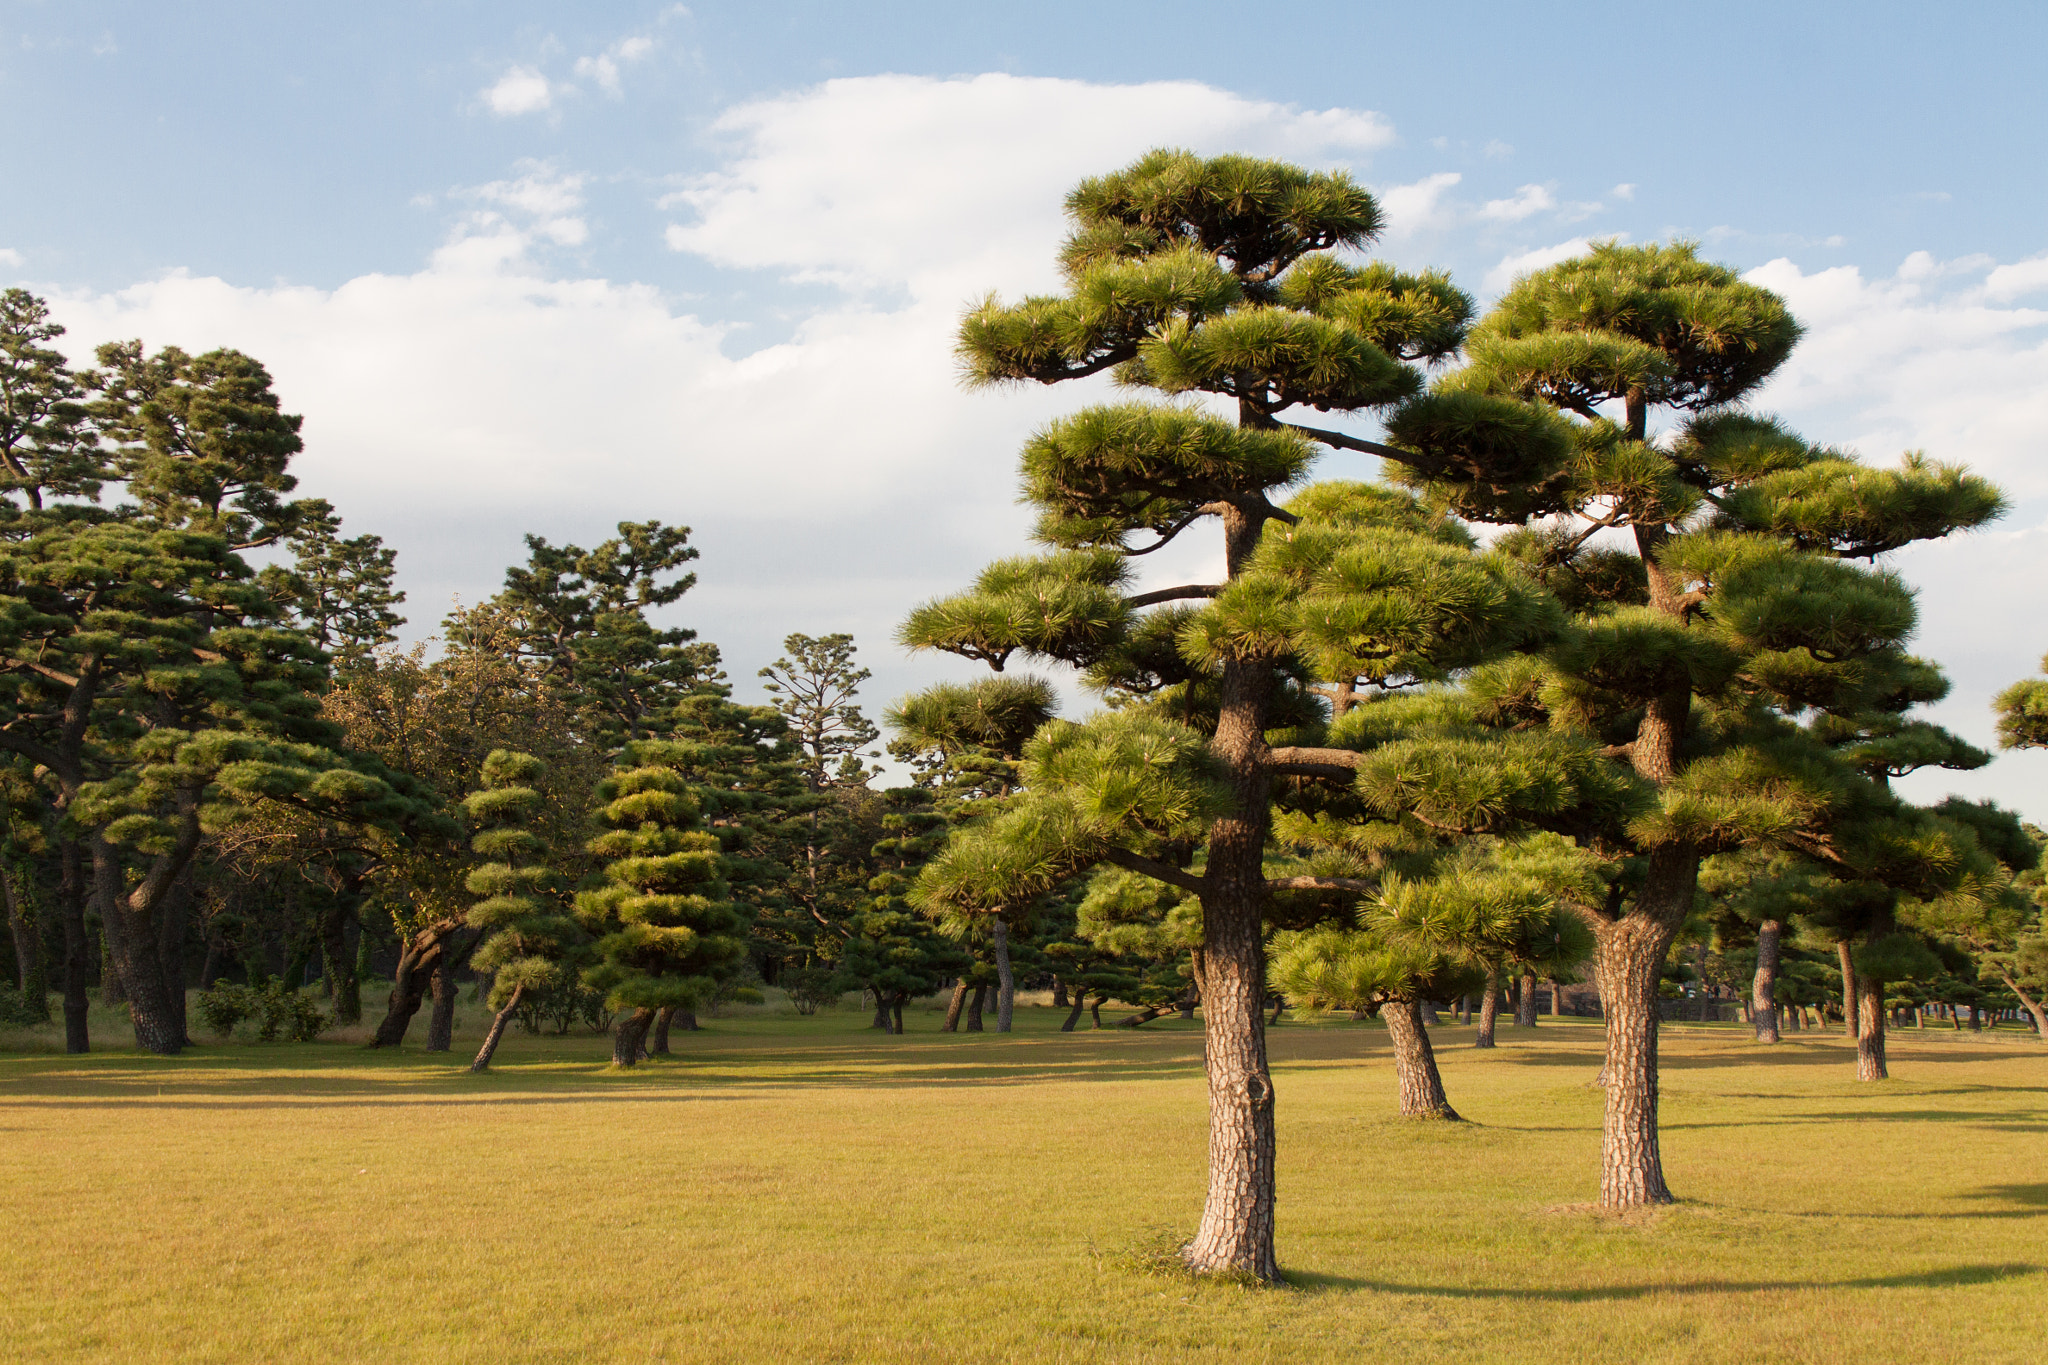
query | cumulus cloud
(1419,207)
(542,199)
(1517,264)
(2009,282)
(10,258)
(521,90)
(1526,202)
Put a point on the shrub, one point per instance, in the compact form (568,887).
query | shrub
(279,1011)
(225,1005)
(811,988)
(25,1011)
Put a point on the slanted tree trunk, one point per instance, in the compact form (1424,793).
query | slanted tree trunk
(2033,1006)
(77,946)
(1870,1029)
(1849,1022)
(976,1002)
(1631,953)
(1006,980)
(504,1017)
(629,1037)
(1489,1007)
(954,1006)
(419,957)
(1074,1015)
(1763,989)
(1525,1001)
(132,940)
(1422,1086)
(659,1047)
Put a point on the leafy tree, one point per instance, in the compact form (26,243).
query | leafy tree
(814,684)
(525,934)
(340,592)
(670,932)
(889,950)
(1217,276)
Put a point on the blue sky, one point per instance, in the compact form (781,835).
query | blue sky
(545,267)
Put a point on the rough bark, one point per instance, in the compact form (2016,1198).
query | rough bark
(954,1006)
(1006,980)
(1525,1001)
(1631,954)
(1870,1029)
(881,1019)
(629,1036)
(659,1047)
(419,956)
(1849,1022)
(131,936)
(1422,1086)
(1763,988)
(77,946)
(976,1002)
(1556,998)
(504,1017)
(441,1023)
(1489,1008)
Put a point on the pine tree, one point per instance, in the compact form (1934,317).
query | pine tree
(1192,276)
(525,934)
(1660,728)
(670,931)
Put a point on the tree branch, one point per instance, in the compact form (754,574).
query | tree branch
(1357,443)
(1302,762)
(1363,888)
(1185,590)
(1152,867)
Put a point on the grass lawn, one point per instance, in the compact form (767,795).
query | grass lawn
(801,1189)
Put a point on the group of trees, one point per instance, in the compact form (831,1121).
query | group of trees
(1597,663)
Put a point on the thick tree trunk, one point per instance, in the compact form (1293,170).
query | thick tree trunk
(896,1004)
(345,988)
(954,1006)
(1095,1010)
(1870,1029)
(1632,950)
(1489,1007)
(1525,1002)
(976,1002)
(1074,1015)
(1556,998)
(629,1036)
(686,1019)
(659,1047)
(419,956)
(1006,980)
(2033,1006)
(504,1017)
(881,1020)
(1763,988)
(1849,1023)
(1422,1087)
(441,1023)
(131,936)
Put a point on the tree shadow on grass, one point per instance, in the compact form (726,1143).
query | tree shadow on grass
(1949,1278)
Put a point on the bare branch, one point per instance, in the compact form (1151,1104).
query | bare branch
(1341,764)
(1363,888)
(1185,590)
(1158,871)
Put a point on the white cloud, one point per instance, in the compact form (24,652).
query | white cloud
(1496,150)
(521,90)
(1419,207)
(1526,202)
(544,198)
(1623,192)
(1513,267)
(11,258)
(604,67)
(2009,282)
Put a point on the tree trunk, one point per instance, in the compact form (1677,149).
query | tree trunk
(1422,1087)
(174,917)
(659,1047)
(1059,994)
(1006,980)
(1489,1007)
(1074,1015)
(881,1013)
(954,1006)
(976,1002)
(1849,1025)
(1632,950)
(1763,988)
(1279,1008)
(441,1023)
(1870,1029)
(419,957)
(77,946)
(628,1036)
(483,1054)
(2033,1006)
(26,929)
(346,988)
(1525,1001)
(896,1012)
(131,936)
(1556,998)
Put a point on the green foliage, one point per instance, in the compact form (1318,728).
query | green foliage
(277,1010)
(524,936)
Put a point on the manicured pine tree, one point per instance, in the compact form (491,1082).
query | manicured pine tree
(1661,728)
(669,929)
(525,932)
(1194,276)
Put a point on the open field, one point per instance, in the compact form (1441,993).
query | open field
(801,1189)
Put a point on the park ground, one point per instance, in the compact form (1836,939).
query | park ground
(801,1189)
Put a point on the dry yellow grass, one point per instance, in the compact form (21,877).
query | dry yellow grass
(789,1189)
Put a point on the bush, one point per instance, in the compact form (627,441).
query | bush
(811,988)
(279,1011)
(24,1011)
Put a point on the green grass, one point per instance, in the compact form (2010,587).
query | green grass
(801,1189)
